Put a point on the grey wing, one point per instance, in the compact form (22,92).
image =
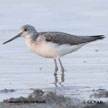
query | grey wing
(64,38)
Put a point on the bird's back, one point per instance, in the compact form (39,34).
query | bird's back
(65,38)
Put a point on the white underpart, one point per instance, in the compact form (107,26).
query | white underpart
(50,49)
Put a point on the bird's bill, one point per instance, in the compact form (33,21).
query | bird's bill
(15,37)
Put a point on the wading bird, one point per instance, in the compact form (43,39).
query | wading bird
(53,44)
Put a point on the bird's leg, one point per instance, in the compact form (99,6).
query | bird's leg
(55,73)
(56,67)
(62,68)
(62,74)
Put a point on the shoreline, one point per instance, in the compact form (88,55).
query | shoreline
(41,99)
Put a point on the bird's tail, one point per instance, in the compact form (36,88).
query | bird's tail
(87,39)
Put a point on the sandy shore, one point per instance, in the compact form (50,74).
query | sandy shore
(41,99)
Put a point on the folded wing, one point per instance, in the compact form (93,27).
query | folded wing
(64,38)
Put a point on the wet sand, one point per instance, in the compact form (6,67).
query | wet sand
(41,99)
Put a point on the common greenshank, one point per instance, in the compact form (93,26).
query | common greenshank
(52,44)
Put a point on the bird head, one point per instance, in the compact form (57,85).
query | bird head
(25,31)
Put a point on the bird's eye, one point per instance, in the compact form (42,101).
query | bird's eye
(25,29)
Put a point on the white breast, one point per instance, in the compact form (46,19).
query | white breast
(50,49)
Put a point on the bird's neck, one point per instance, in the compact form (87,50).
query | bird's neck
(30,42)
(31,37)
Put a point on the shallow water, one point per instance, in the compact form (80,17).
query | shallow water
(86,69)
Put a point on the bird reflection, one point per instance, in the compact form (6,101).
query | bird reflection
(62,79)
(58,82)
